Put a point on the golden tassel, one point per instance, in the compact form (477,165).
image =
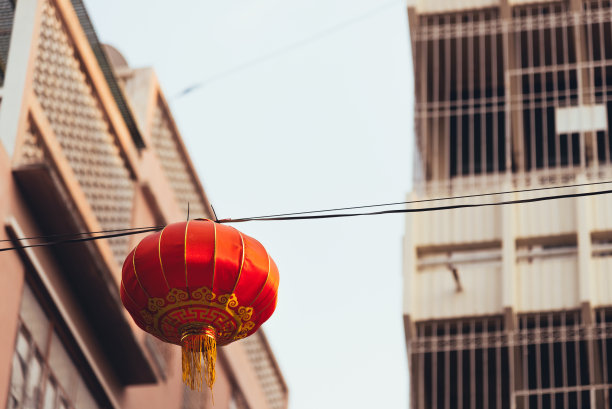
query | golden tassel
(198,343)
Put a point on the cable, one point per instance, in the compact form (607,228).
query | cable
(134,229)
(52,236)
(309,216)
(430,200)
(421,210)
(107,236)
(285,49)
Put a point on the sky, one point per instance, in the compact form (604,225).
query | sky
(305,106)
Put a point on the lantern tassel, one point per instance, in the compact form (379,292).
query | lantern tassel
(199,345)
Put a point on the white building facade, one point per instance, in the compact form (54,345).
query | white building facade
(511,306)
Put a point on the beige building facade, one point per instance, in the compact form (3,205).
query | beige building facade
(89,144)
(511,306)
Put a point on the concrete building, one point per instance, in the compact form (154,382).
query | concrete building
(511,306)
(88,144)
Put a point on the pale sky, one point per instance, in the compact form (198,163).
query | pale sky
(326,124)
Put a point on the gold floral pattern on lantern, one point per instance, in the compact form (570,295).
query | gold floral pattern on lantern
(163,314)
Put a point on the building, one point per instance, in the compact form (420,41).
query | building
(511,306)
(89,144)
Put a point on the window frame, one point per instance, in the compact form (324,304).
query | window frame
(58,327)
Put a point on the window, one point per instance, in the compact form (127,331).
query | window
(462,363)
(44,375)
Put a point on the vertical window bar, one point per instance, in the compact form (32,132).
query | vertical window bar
(568,88)
(495,104)
(551,359)
(473,364)
(604,356)
(517,102)
(498,375)
(471,157)
(590,92)
(531,76)
(484,65)
(525,359)
(459,73)
(577,352)
(485,367)
(604,84)
(564,342)
(435,72)
(591,345)
(508,110)
(538,358)
(544,104)
(447,379)
(460,365)
(556,96)
(447,102)
(434,367)
(581,91)
(424,117)
(421,380)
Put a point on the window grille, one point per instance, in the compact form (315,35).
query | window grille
(529,94)
(549,360)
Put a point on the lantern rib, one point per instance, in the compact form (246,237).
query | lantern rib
(265,282)
(161,265)
(212,283)
(129,296)
(135,272)
(267,305)
(186,280)
(261,310)
(241,262)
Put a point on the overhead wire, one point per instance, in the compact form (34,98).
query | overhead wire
(253,218)
(538,189)
(287,48)
(83,239)
(311,215)
(419,210)
(54,236)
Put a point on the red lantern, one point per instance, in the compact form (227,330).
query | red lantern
(199,284)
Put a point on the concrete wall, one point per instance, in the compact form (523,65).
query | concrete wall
(547,280)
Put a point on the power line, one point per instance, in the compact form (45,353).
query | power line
(285,49)
(419,210)
(537,189)
(57,236)
(322,216)
(135,230)
(82,239)
(254,218)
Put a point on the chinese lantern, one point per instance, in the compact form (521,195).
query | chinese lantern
(199,284)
